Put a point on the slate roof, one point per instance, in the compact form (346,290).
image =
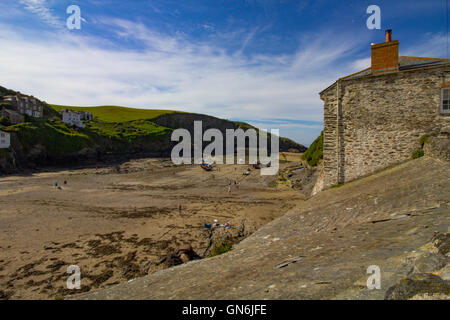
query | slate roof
(405,63)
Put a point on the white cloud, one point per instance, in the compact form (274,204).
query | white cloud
(361,64)
(430,45)
(40,7)
(286,125)
(171,72)
(208,27)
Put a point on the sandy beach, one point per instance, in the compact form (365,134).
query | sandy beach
(117,223)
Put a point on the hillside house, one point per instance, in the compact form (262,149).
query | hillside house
(25,105)
(374,118)
(75,118)
(13,116)
(5,140)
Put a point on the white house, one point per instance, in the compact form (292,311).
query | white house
(5,140)
(75,118)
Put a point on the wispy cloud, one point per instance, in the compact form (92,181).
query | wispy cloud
(41,8)
(173,72)
(208,27)
(429,45)
(250,36)
(286,123)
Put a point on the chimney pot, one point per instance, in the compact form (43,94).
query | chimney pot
(388,35)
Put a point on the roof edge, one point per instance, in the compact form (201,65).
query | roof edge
(350,75)
(424,58)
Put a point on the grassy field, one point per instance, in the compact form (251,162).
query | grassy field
(57,138)
(128,130)
(116,113)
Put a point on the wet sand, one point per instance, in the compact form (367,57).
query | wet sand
(117,224)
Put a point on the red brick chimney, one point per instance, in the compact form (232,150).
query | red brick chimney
(385,55)
(388,35)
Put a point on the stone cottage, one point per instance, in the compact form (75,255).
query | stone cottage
(25,105)
(13,116)
(374,118)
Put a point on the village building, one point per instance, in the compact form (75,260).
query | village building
(13,116)
(376,117)
(25,105)
(5,140)
(75,118)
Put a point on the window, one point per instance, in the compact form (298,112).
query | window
(445,100)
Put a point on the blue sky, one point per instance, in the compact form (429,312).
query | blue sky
(260,61)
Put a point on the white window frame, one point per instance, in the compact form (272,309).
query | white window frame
(442,100)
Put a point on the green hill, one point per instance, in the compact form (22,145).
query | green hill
(116,134)
(116,113)
(315,151)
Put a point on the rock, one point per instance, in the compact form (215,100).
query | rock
(185,258)
(444,273)
(426,296)
(5,295)
(172,260)
(185,248)
(180,255)
(418,284)
(437,147)
(429,262)
(445,130)
(442,242)
(221,236)
(86,152)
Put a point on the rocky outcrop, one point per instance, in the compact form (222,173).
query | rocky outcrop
(430,276)
(223,238)
(179,256)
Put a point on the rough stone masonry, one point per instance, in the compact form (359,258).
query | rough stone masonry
(375,118)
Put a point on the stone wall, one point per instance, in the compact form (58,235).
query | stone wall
(378,121)
(330,137)
(438,147)
(319,185)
